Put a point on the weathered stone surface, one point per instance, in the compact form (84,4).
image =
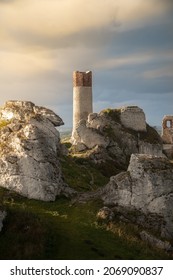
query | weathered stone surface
(114,134)
(82,79)
(133,117)
(155,242)
(168,150)
(24,110)
(2,217)
(89,137)
(147,189)
(48,114)
(30,148)
(82,97)
(167,129)
(167,136)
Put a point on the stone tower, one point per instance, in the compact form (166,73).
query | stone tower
(82,96)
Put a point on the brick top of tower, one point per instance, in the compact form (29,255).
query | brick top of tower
(82,79)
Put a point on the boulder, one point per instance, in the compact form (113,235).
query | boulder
(29,151)
(144,193)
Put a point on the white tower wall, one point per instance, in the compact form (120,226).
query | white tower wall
(82,96)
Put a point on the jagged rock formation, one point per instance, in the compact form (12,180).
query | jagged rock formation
(114,134)
(144,193)
(29,151)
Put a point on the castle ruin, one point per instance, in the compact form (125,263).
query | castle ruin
(167,129)
(167,135)
(133,117)
(82,96)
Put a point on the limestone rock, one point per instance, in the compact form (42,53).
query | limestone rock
(89,137)
(117,133)
(155,242)
(24,110)
(30,148)
(48,114)
(146,189)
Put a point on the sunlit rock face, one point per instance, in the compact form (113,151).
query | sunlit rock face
(29,151)
(114,134)
(144,193)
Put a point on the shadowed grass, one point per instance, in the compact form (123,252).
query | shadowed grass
(62,230)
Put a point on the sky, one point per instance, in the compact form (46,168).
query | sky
(127,44)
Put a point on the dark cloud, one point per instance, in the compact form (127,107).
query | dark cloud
(157,37)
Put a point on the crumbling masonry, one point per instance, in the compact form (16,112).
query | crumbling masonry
(167,135)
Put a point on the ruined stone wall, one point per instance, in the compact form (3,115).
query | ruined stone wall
(167,129)
(82,96)
(133,117)
(82,79)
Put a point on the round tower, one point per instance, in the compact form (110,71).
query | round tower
(82,96)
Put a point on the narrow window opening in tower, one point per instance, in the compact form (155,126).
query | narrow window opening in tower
(169,124)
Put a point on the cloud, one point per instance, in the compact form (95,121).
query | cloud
(159,61)
(43,22)
(159,73)
(21,64)
(126,43)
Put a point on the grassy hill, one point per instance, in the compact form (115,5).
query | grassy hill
(68,229)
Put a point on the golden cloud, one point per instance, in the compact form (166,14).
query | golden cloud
(21,64)
(29,25)
(50,18)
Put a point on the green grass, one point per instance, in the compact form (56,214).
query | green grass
(62,230)
(113,114)
(81,175)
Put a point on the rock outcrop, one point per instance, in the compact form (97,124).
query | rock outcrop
(114,134)
(29,151)
(155,242)
(144,193)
